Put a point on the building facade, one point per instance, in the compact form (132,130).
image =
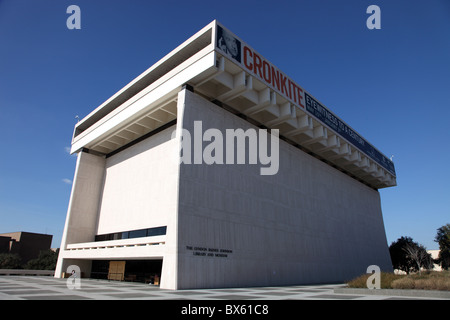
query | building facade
(215,169)
(27,245)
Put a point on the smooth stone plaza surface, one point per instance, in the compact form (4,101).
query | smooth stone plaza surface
(48,288)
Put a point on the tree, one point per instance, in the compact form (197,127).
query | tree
(10,261)
(443,238)
(419,255)
(46,261)
(409,256)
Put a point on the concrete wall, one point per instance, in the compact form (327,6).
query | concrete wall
(136,188)
(139,186)
(227,226)
(81,220)
(310,223)
(140,191)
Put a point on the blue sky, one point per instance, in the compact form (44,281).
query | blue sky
(391,85)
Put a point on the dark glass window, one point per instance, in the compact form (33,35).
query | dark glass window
(160,231)
(150,232)
(137,233)
(101,237)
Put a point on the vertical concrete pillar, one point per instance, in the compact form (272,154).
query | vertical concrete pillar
(81,220)
(169,272)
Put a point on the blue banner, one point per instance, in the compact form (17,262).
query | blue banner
(341,128)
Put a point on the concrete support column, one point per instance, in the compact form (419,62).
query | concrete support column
(81,221)
(169,272)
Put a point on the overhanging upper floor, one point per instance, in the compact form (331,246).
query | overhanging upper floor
(222,68)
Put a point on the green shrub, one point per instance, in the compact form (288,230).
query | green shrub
(10,261)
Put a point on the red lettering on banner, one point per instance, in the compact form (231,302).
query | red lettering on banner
(257,65)
(290,91)
(283,84)
(300,97)
(247,52)
(294,91)
(272,76)
(266,72)
(275,78)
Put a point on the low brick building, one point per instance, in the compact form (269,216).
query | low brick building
(27,245)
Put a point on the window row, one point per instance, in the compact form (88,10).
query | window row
(158,231)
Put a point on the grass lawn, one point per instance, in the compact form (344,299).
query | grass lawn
(427,280)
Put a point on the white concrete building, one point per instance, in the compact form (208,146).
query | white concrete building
(316,219)
(435,256)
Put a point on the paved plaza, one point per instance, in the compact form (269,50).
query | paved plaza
(49,288)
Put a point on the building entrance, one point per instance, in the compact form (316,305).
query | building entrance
(146,271)
(116,270)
